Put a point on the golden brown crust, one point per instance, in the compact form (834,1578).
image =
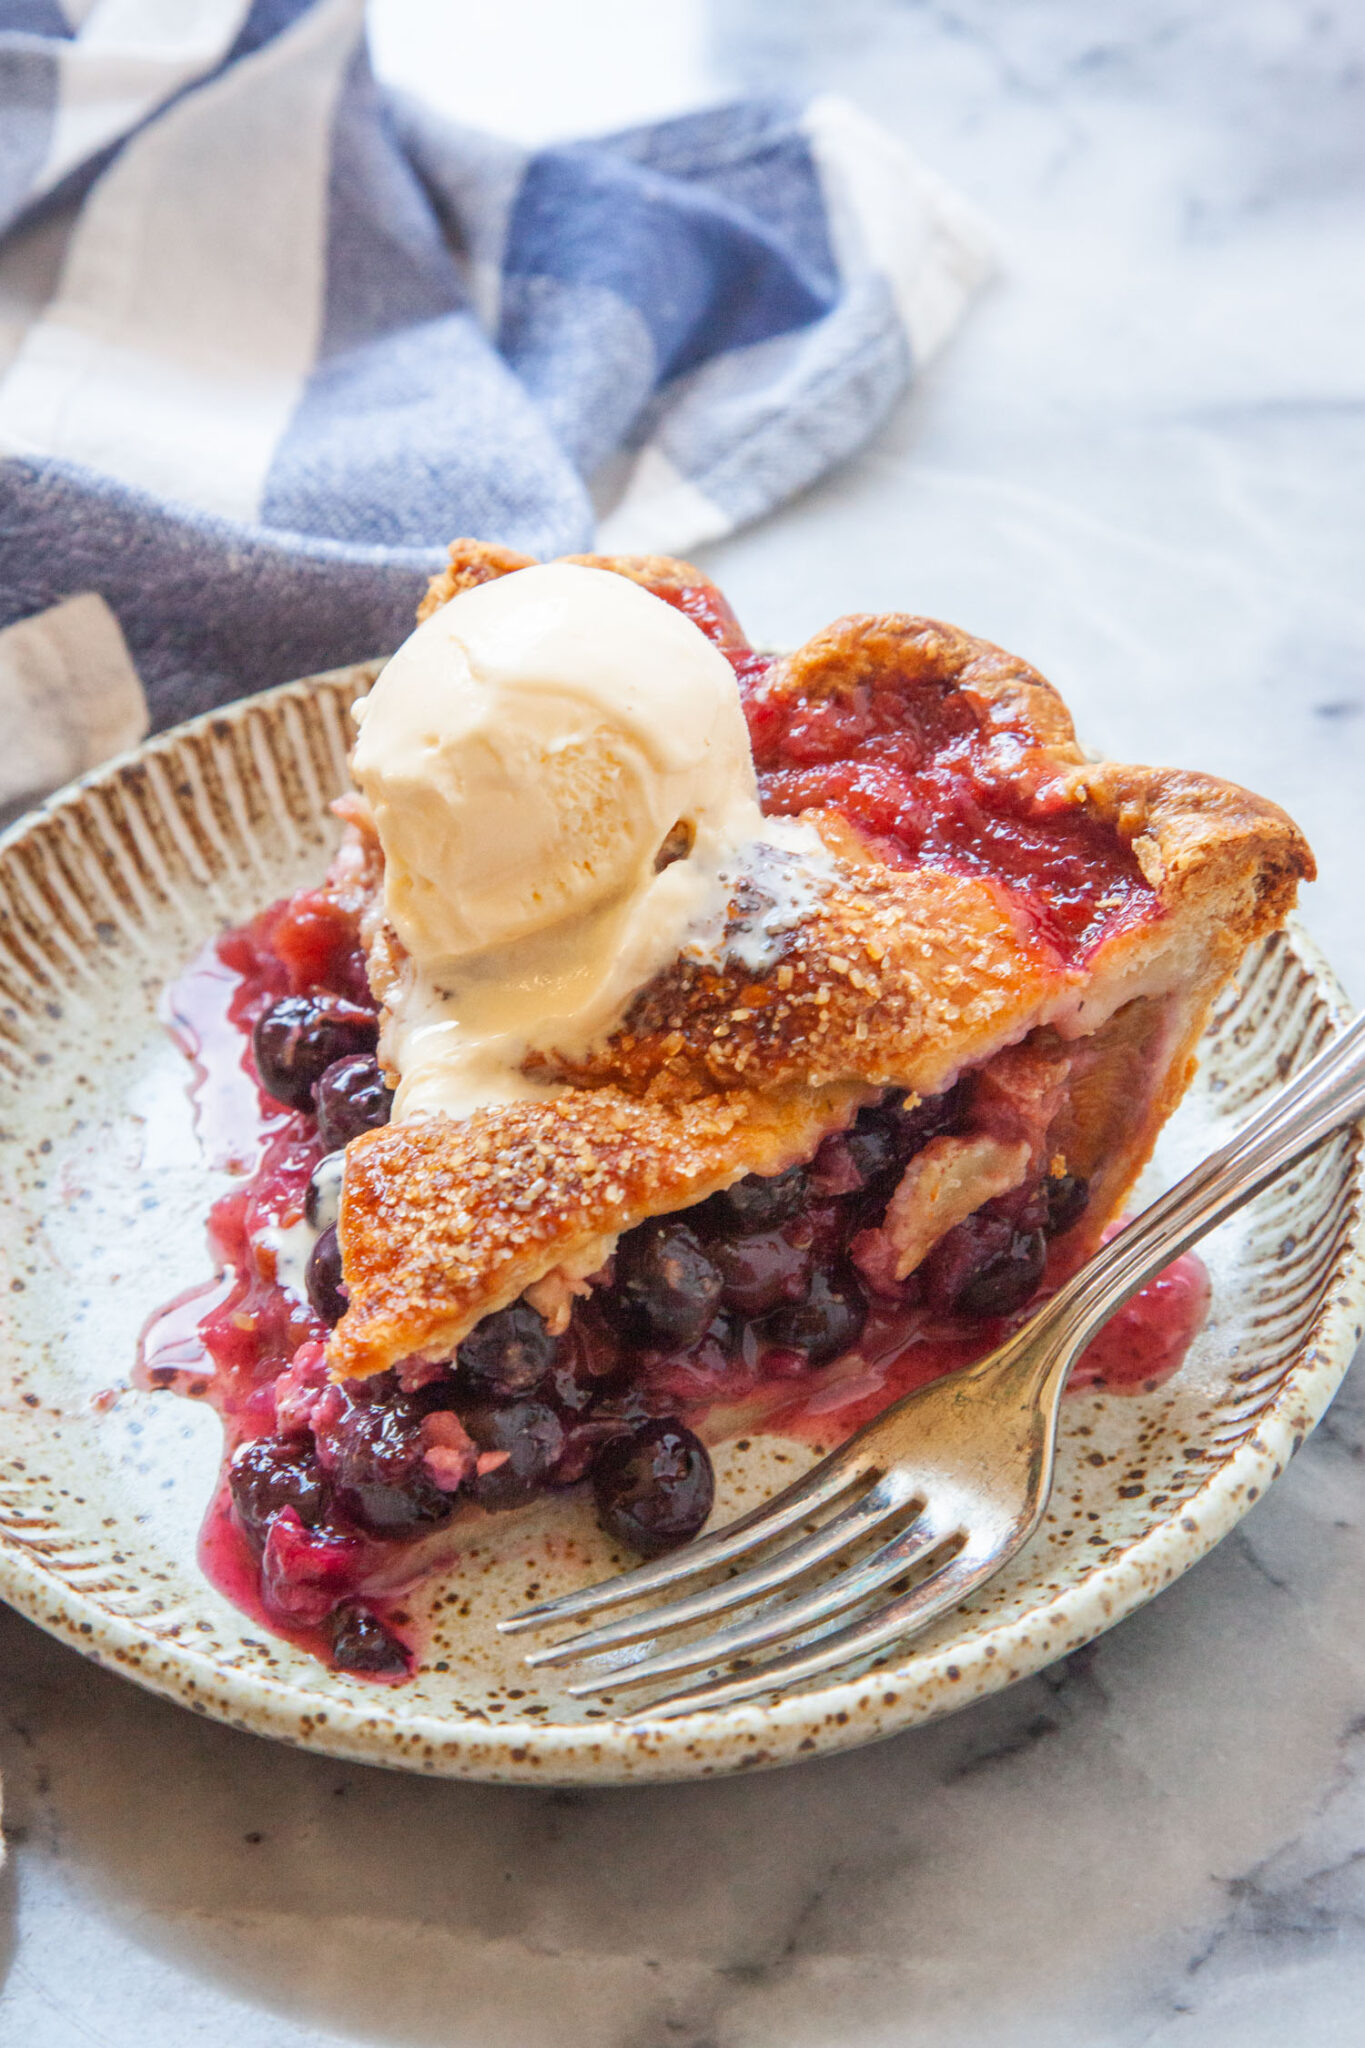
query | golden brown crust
(471,562)
(904,975)
(899,977)
(898,655)
(481,561)
(446,1222)
(1198,839)
(681,584)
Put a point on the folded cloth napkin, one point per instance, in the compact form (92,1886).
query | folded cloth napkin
(270,336)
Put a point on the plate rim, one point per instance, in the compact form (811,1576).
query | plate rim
(842,1714)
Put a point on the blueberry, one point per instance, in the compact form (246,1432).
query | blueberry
(1008,1280)
(299,1037)
(322,1202)
(724,1364)
(370,1442)
(322,1277)
(968,1250)
(350,1098)
(829,1322)
(508,1353)
(359,1641)
(913,1127)
(769,1270)
(987,1266)
(758,1202)
(873,1144)
(403,1510)
(654,1488)
(567,1387)
(730,1337)
(271,1474)
(666,1289)
(582,1443)
(530,1433)
(368,1434)
(591,1349)
(1067,1195)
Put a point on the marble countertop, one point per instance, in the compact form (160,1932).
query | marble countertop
(1142,464)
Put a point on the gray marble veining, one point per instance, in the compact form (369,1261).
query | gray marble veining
(1141,465)
(1158,1841)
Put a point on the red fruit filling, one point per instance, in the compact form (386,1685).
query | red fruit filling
(918,767)
(772,1305)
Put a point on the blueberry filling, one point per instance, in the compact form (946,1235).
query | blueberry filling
(322,1277)
(525,1438)
(770,1270)
(322,1202)
(654,1488)
(359,1641)
(350,1097)
(370,1443)
(985,1267)
(507,1355)
(666,1289)
(298,1038)
(755,1203)
(828,1322)
(270,1475)
(1066,1195)
(758,1281)
(408,1508)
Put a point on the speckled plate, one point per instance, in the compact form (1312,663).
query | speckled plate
(104,895)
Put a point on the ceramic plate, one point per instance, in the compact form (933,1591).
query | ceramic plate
(104,895)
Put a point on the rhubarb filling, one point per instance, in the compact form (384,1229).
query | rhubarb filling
(800,1302)
(930,775)
(730,1210)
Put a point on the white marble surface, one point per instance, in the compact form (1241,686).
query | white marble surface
(1143,465)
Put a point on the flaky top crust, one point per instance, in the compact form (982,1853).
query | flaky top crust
(445,1221)
(898,977)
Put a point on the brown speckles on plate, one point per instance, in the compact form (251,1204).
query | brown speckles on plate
(104,894)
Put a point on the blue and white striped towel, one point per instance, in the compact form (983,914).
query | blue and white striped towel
(270,336)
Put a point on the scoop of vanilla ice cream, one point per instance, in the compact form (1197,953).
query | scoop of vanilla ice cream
(529,755)
(529,749)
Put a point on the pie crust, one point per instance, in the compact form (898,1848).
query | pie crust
(908,974)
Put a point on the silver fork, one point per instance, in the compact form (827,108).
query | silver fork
(961,1469)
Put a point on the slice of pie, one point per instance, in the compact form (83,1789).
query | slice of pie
(1018,945)
(796,1161)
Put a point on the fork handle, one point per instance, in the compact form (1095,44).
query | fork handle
(1329,1092)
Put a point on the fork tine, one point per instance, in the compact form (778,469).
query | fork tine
(943,1589)
(784,1619)
(822,1485)
(780,1569)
